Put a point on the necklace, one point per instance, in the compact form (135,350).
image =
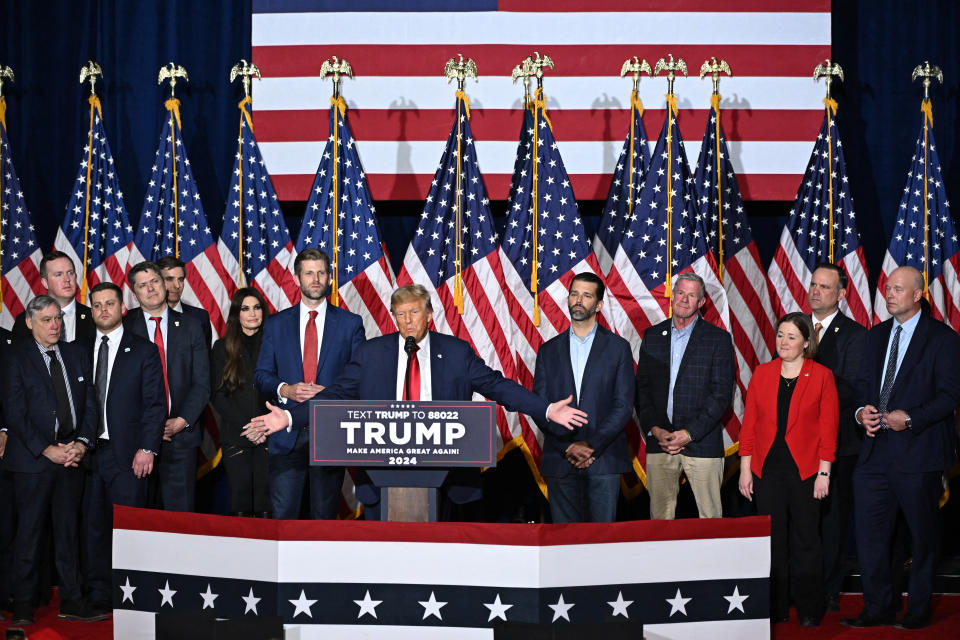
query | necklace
(788,382)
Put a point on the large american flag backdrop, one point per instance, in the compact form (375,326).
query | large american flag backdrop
(682,579)
(400,104)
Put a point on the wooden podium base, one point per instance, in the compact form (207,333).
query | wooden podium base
(408,504)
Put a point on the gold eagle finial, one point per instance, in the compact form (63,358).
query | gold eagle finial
(5,72)
(828,71)
(460,70)
(715,67)
(171,72)
(928,72)
(244,70)
(635,66)
(91,70)
(672,67)
(336,67)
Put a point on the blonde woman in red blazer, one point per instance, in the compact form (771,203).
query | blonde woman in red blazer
(787,444)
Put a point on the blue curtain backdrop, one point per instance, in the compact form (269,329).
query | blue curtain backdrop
(878,42)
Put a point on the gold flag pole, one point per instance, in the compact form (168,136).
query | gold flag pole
(5,72)
(244,70)
(635,67)
(336,68)
(715,67)
(828,71)
(171,72)
(672,68)
(460,70)
(89,72)
(928,72)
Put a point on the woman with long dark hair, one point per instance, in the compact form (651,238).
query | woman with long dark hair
(787,445)
(236,400)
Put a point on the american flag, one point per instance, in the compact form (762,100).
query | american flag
(253,220)
(666,236)
(399,105)
(172,222)
(624,187)
(731,241)
(340,207)
(538,274)
(455,254)
(96,231)
(822,227)
(19,252)
(443,580)
(925,236)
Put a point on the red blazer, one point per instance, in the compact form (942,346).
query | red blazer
(811,425)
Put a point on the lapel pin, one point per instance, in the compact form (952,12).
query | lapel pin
(83,316)
(176,323)
(126,349)
(80,379)
(440,355)
(836,329)
(664,333)
(806,375)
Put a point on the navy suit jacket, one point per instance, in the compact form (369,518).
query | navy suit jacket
(456,372)
(841,351)
(280,360)
(606,395)
(188,369)
(30,406)
(927,387)
(6,341)
(202,317)
(702,392)
(85,329)
(136,408)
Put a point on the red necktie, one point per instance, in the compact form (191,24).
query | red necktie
(310,349)
(158,340)
(411,383)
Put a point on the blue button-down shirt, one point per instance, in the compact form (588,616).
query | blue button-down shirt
(579,353)
(905,335)
(679,338)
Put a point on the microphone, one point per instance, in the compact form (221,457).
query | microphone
(410,346)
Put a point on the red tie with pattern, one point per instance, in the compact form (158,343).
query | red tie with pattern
(158,340)
(310,349)
(411,382)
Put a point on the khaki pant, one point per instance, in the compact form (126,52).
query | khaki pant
(663,483)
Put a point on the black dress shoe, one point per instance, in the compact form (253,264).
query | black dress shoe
(22,615)
(809,621)
(910,622)
(867,620)
(80,611)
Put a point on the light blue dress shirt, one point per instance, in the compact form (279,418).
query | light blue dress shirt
(679,338)
(905,335)
(579,353)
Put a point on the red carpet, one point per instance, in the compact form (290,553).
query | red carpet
(946,624)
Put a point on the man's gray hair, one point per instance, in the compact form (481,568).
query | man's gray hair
(40,302)
(692,277)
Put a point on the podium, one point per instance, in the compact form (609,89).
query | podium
(406,448)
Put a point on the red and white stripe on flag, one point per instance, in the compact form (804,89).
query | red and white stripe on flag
(398,99)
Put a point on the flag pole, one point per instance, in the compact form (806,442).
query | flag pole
(636,107)
(828,71)
(171,72)
(5,72)
(460,70)
(714,67)
(336,68)
(927,72)
(244,70)
(671,67)
(91,71)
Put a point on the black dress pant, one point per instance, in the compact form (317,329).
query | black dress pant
(836,509)
(248,472)
(109,481)
(796,558)
(56,490)
(8,528)
(178,476)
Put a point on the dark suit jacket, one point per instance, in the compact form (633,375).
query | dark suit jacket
(188,369)
(6,341)
(840,350)
(456,372)
(85,329)
(136,407)
(30,405)
(203,318)
(702,392)
(811,424)
(927,387)
(606,394)
(281,360)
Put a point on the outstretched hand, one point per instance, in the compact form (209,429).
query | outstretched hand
(562,413)
(260,427)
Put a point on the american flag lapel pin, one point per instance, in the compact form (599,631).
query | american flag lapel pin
(836,329)
(440,356)
(176,323)
(80,379)
(126,349)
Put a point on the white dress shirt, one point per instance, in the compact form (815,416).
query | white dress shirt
(69,314)
(824,324)
(113,346)
(423,357)
(320,323)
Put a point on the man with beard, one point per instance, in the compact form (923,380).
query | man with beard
(582,467)
(685,377)
(294,370)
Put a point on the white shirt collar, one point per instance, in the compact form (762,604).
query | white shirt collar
(113,336)
(67,309)
(305,310)
(826,321)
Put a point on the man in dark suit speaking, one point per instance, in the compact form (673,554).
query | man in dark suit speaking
(908,388)
(50,411)
(582,468)
(440,367)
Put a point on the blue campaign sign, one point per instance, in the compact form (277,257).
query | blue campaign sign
(395,433)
